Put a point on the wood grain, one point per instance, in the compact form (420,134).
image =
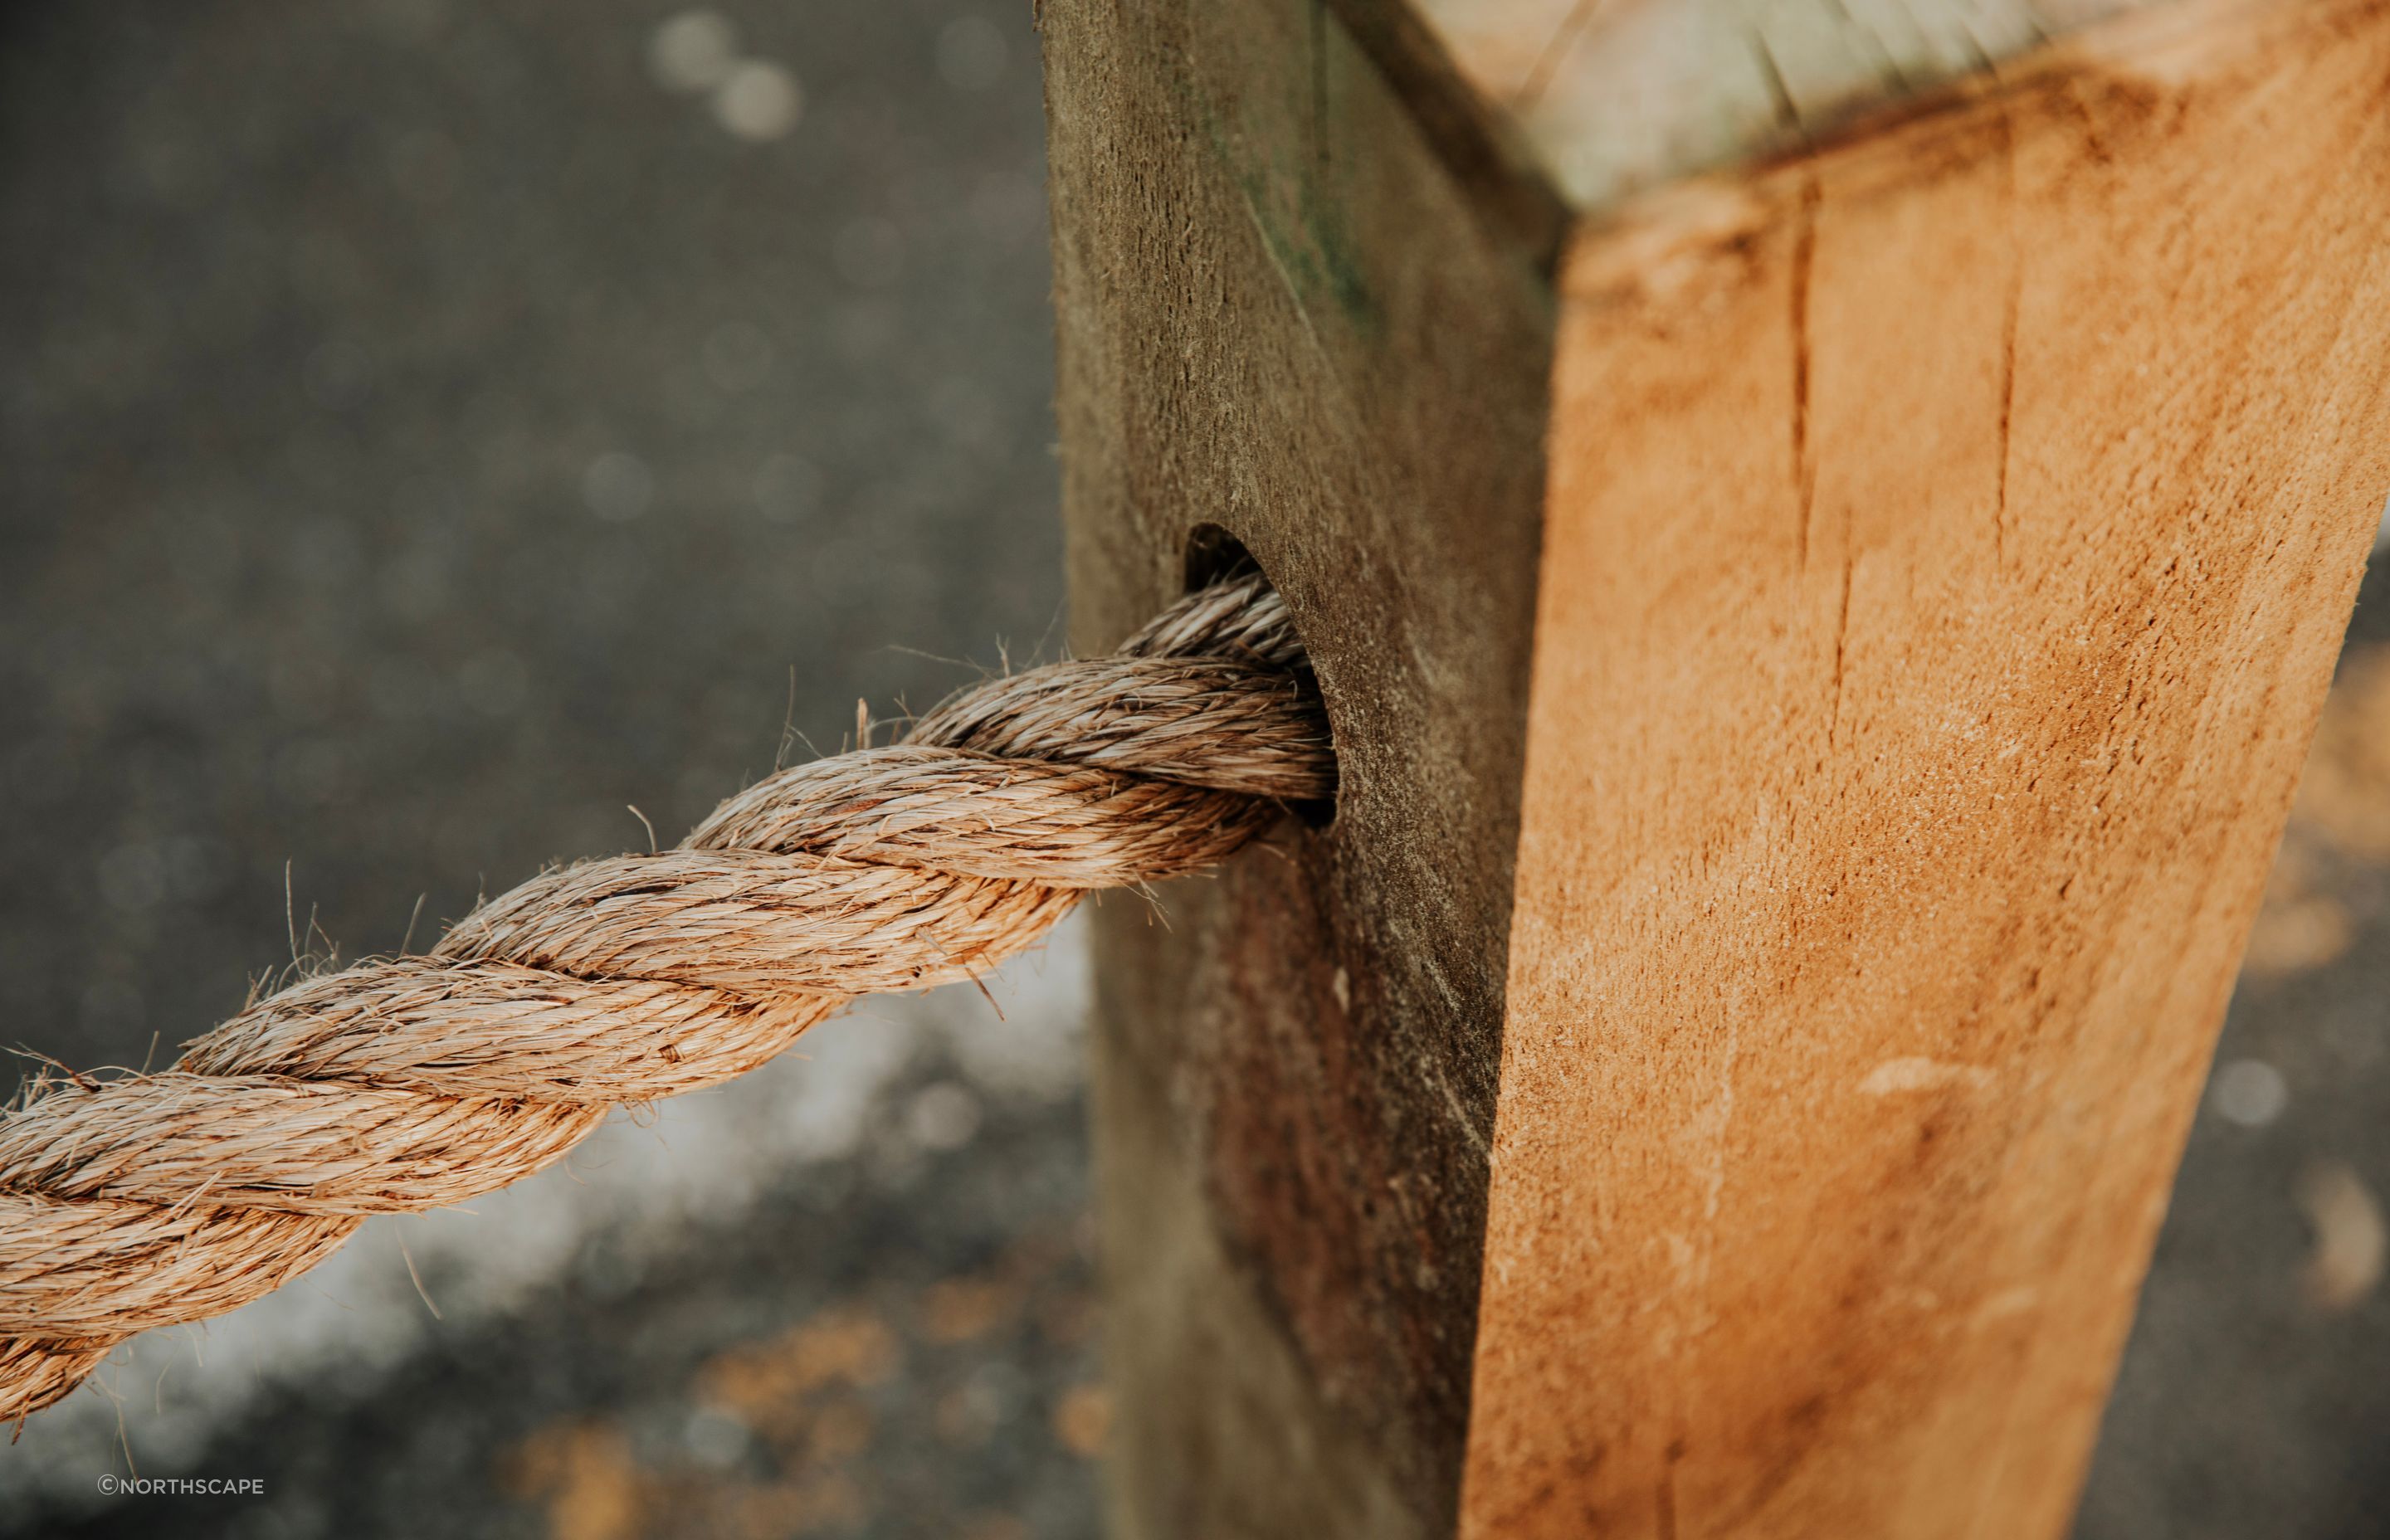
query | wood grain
(1819,654)
(1288,312)
(1948,538)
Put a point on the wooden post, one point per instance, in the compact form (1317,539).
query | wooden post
(1822,600)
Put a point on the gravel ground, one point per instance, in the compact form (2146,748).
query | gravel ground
(429,431)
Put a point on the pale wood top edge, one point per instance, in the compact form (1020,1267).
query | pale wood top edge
(1613,98)
(1639,237)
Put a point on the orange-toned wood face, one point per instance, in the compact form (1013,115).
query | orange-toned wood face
(1947,541)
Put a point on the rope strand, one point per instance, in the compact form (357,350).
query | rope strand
(409,1083)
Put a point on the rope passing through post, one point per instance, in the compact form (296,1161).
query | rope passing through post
(408,1083)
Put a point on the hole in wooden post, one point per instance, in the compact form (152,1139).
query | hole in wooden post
(1214,555)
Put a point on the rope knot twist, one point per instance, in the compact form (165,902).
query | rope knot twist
(408,1083)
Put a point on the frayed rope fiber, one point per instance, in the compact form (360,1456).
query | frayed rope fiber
(407,1082)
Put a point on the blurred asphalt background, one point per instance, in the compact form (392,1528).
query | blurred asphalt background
(428,431)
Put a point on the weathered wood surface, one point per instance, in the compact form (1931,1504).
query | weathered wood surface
(1881,722)
(1280,313)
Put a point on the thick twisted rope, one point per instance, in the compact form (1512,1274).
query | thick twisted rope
(408,1083)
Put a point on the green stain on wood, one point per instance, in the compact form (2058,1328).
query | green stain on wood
(1280,148)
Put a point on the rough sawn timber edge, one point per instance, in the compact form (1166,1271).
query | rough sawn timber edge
(1948,541)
